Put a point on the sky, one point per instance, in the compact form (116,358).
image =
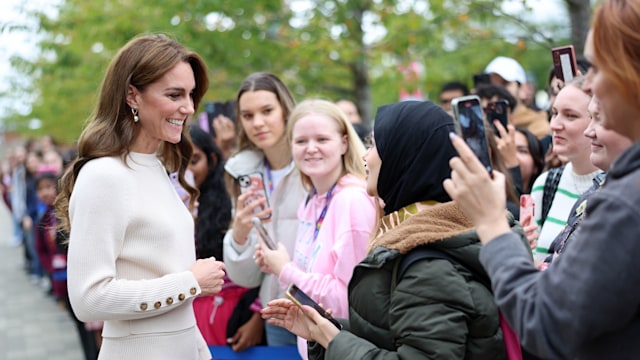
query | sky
(23,43)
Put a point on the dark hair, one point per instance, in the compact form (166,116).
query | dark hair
(488,91)
(537,153)
(583,66)
(46,176)
(455,85)
(214,209)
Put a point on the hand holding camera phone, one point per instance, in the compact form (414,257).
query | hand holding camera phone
(264,234)
(300,298)
(497,110)
(565,67)
(255,183)
(469,122)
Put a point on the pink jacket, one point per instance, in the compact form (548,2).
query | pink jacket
(323,268)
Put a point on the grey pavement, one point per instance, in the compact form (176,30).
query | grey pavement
(32,324)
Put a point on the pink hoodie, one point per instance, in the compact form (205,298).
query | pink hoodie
(323,268)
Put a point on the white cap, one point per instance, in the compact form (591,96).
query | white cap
(508,68)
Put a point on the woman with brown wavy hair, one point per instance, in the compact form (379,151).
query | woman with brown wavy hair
(131,260)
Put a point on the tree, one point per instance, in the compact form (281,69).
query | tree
(320,48)
(580,15)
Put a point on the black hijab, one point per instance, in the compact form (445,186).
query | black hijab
(412,138)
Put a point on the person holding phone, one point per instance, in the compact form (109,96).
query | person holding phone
(585,305)
(336,219)
(131,260)
(226,318)
(263,107)
(437,309)
(570,120)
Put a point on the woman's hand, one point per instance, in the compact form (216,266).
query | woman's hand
(248,335)
(303,321)
(225,131)
(271,260)
(244,212)
(530,230)
(209,274)
(481,197)
(506,143)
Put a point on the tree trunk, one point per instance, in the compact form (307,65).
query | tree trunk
(359,69)
(580,15)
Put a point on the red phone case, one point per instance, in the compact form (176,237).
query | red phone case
(527,206)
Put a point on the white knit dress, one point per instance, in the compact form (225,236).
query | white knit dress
(130,250)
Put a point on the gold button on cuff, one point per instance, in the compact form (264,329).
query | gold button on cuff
(143,306)
(169,301)
(193,291)
(181,297)
(157,304)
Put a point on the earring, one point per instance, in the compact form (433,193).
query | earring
(136,118)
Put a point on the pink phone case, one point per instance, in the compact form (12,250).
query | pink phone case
(527,206)
(255,183)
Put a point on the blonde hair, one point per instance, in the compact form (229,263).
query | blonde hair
(616,43)
(352,162)
(111,131)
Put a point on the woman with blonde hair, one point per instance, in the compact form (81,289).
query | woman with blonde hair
(131,259)
(586,305)
(337,218)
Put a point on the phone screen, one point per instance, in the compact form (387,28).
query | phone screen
(300,298)
(470,124)
(564,63)
(497,110)
(264,234)
(254,182)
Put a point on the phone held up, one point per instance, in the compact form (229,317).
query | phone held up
(254,182)
(469,121)
(497,110)
(527,206)
(300,298)
(264,234)
(564,63)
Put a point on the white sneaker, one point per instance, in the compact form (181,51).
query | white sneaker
(45,283)
(34,279)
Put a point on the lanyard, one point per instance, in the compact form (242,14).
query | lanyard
(323,213)
(267,170)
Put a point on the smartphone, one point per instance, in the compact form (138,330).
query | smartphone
(564,63)
(264,234)
(254,182)
(527,206)
(481,78)
(469,121)
(300,298)
(497,110)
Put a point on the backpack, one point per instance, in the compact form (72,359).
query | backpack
(511,342)
(549,191)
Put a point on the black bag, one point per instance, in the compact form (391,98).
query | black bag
(242,313)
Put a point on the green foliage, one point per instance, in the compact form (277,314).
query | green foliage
(319,51)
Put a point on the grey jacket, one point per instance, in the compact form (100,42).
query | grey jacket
(587,304)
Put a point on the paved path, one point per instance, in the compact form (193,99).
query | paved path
(32,325)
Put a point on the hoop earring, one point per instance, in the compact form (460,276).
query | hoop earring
(136,118)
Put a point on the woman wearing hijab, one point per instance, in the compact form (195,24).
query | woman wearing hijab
(437,308)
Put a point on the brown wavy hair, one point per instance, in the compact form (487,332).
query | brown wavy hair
(110,129)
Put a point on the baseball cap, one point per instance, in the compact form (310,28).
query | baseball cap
(508,68)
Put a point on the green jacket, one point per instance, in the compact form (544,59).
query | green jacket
(437,310)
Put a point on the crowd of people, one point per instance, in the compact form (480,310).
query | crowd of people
(146,231)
